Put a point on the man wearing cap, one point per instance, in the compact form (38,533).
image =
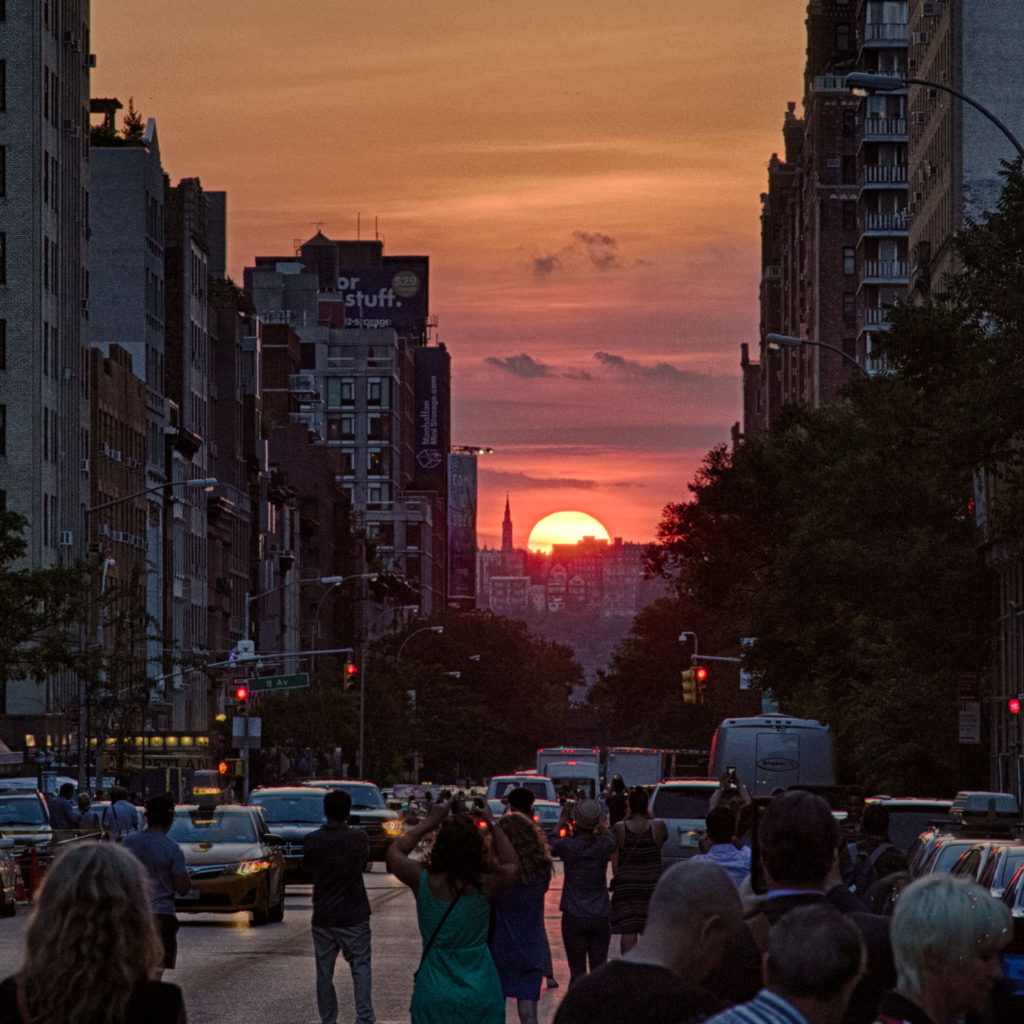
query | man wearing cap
(586,928)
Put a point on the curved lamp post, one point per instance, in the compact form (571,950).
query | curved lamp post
(863,83)
(777,342)
(398,661)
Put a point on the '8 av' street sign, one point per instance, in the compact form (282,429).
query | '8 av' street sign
(292,682)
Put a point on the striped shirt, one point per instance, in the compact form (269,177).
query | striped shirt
(765,1008)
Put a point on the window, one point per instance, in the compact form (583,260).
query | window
(849,124)
(3,257)
(842,38)
(341,428)
(3,170)
(378,462)
(378,428)
(3,85)
(378,392)
(3,344)
(849,261)
(340,391)
(849,307)
(3,429)
(849,170)
(849,216)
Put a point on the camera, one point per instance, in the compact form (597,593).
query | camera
(731,770)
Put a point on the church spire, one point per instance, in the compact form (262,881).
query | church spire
(506,527)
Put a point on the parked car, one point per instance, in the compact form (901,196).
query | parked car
(1001,866)
(683,805)
(25,818)
(234,861)
(370,812)
(975,859)
(944,854)
(547,813)
(291,812)
(8,878)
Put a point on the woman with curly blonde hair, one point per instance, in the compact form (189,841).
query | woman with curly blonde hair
(91,947)
(518,941)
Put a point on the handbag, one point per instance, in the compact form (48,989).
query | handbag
(430,941)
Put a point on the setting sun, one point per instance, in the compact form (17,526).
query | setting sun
(564,528)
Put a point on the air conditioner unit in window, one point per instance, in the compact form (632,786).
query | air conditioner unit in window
(918,117)
(85,465)
(67,538)
(71,39)
(919,38)
(72,130)
(931,10)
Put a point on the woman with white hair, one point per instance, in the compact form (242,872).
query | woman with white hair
(947,934)
(91,947)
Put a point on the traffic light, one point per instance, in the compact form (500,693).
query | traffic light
(241,696)
(1014,704)
(222,768)
(348,676)
(689,686)
(701,676)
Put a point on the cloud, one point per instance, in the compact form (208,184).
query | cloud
(520,366)
(497,478)
(588,249)
(661,372)
(577,375)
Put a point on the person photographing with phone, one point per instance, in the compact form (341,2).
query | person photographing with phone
(720,846)
(468,861)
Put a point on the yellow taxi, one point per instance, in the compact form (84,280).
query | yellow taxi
(233,859)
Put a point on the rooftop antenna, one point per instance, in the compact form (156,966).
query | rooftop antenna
(376,229)
(319,225)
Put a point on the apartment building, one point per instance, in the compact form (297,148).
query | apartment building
(44,292)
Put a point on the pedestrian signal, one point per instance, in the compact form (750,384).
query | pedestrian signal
(222,768)
(348,676)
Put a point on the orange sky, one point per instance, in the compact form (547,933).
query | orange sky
(584,175)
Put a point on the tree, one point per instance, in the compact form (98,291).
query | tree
(41,609)
(133,127)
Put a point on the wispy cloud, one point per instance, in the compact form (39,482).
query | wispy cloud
(521,365)
(659,372)
(588,249)
(497,478)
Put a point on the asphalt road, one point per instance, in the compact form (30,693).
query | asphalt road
(234,974)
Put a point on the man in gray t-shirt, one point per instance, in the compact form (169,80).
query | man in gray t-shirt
(165,863)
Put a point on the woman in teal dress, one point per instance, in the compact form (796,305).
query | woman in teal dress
(457,982)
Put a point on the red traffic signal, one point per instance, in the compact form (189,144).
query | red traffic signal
(1014,705)
(241,694)
(348,675)
(700,673)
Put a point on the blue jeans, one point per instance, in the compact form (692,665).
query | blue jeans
(586,940)
(353,943)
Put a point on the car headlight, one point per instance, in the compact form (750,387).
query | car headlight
(393,827)
(251,867)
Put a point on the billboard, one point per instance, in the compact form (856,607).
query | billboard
(462,530)
(392,296)
(432,415)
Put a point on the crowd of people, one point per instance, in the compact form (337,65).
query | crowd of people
(698,942)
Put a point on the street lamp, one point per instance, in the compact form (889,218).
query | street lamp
(335,581)
(249,598)
(777,342)
(864,83)
(206,482)
(398,661)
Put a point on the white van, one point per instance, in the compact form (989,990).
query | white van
(770,752)
(540,785)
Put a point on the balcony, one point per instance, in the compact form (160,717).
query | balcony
(885,174)
(884,271)
(874,318)
(831,83)
(885,129)
(302,384)
(885,33)
(885,223)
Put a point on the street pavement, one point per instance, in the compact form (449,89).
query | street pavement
(233,974)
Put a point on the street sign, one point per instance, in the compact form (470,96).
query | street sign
(970,721)
(246,731)
(271,683)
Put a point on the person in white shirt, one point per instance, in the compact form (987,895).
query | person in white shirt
(721,832)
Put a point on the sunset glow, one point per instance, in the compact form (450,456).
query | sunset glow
(585,179)
(565,528)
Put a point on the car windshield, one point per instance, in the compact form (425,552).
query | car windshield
(677,802)
(287,808)
(213,825)
(548,813)
(906,826)
(365,798)
(22,810)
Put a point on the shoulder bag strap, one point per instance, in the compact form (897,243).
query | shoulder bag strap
(430,941)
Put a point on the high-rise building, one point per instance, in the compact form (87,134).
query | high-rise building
(370,387)
(44,293)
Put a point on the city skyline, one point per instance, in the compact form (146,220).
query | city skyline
(587,192)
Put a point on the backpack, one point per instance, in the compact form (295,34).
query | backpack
(861,873)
